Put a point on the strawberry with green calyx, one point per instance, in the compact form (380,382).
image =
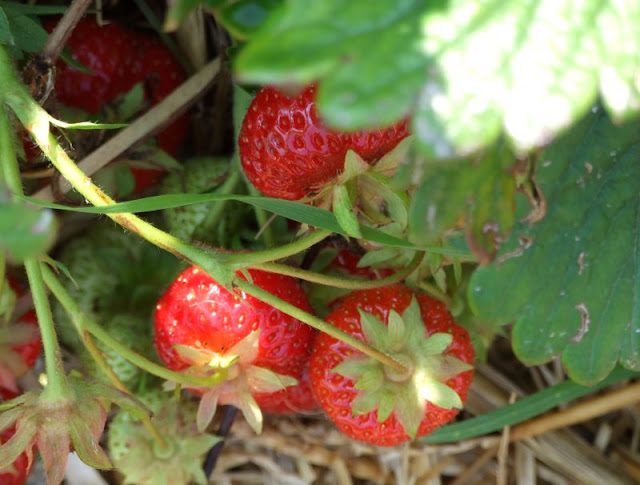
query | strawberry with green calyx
(142,459)
(215,222)
(202,328)
(287,152)
(57,425)
(376,404)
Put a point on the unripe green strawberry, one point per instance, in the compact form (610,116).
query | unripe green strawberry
(199,221)
(136,453)
(135,332)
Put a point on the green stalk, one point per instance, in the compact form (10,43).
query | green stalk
(96,354)
(57,386)
(246,260)
(318,324)
(340,281)
(33,117)
(56,380)
(84,323)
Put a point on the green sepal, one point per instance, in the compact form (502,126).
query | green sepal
(344,212)
(374,330)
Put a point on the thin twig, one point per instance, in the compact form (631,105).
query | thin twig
(58,38)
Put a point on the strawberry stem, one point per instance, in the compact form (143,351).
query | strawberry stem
(246,260)
(84,323)
(36,120)
(93,349)
(57,386)
(319,324)
(340,281)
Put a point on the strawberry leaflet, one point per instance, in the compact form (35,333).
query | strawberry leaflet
(571,281)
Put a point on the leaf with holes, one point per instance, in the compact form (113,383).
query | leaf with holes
(468,69)
(571,282)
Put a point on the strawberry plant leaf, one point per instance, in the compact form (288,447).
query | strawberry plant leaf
(25,231)
(481,192)
(571,281)
(467,69)
(28,34)
(6,37)
(243,17)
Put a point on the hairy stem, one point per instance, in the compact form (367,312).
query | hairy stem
(340,281)
(245,260)
(56,386)
(56,380)
(97,356)
(318,324)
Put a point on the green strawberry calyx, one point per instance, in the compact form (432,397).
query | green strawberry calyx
(56,426)
(243,379)
(364,191)
(427,368)
(177,460)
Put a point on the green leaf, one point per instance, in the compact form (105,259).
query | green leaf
(481,192)
(343,209)
(6,37)
(468,70)
(28,34)
(14,8)
(25,232)
(243,17)
(303,213)
(571,282)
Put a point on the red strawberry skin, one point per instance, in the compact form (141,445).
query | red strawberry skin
(336,393)
(196,311)
(298,399)
(288,153)
(105,50)
(31,350)
(119,58)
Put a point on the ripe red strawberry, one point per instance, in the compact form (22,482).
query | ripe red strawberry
(119,58)
(288,153)
(105,50)
(17,472)
(293,399)
(200,326)
(376,404)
